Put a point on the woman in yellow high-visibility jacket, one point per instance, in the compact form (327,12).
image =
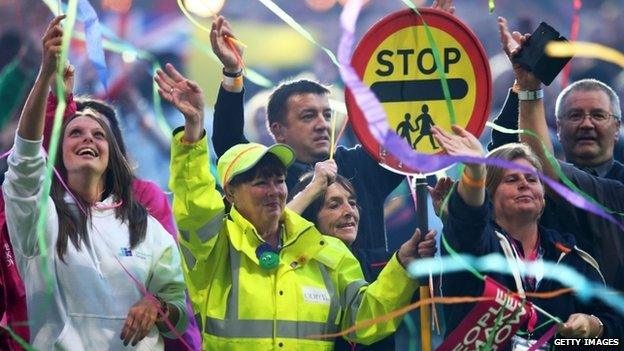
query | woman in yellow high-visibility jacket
(260,276)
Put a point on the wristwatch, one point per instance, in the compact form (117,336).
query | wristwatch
(600,326)
(163,308)
(530,95)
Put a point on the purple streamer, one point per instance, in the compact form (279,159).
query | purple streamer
(378,125)
(93,39)
(547,336)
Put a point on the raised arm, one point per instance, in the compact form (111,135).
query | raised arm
(229,120)
(324,175)
(197,205)
(32,118)
(229,51)
(532,114)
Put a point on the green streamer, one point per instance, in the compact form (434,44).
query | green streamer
(447,246)
(297,27)
(496,326)
(54,140)
(411,328)
(25,345)
(249,73)
(160,118)
(121,48)
(438,62)
(554,164)
(68,23)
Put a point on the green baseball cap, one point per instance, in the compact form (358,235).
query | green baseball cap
(242,157)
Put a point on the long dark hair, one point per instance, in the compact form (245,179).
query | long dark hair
(118,183)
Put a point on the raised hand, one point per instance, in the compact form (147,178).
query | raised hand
(51,42)
(324,175)
(186,96)
(427,247)
(512,45)
(460,144)
(228,51)
(68,80)
(414,248)
(439,193)
(444,5)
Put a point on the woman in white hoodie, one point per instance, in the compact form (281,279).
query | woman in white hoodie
(112,275)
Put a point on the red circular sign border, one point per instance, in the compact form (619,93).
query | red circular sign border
(388,26)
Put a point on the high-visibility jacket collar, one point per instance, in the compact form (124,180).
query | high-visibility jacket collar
(295,246)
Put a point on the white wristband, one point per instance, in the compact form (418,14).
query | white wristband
(530,95)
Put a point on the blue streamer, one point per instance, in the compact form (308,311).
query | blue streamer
(496,262)
(93,39)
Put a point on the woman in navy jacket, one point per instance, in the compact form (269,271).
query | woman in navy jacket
(496,210)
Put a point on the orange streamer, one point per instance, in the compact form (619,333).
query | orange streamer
(437,299)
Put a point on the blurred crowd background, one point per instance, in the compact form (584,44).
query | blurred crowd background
(275,51)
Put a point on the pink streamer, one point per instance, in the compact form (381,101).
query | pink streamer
(574,30)
(151,297)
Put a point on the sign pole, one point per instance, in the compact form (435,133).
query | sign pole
(423,225)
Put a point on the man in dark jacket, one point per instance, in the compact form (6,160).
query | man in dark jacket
(299,115)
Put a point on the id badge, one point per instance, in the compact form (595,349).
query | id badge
(519,343)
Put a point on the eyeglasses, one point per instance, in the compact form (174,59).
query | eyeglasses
(598,116)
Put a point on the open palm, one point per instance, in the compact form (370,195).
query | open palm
(512,45)
(462,143)
(183,93)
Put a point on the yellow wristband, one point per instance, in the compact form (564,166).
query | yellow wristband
(231,82)
(473,183)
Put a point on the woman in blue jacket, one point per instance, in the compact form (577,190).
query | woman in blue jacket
(496,210)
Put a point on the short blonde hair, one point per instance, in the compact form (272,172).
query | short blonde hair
(508,152)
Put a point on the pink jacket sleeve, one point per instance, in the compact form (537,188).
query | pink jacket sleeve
(49,115)
(155,201)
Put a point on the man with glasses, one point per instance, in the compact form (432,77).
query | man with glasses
(588,126)
(588,121)
(588,118)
